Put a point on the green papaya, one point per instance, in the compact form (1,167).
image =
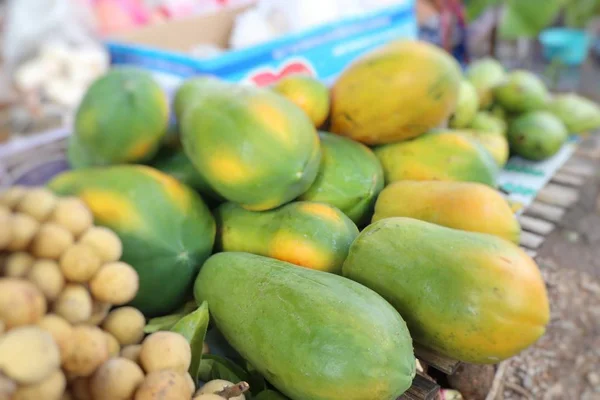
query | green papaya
(308,93)
(470,296)
(166,229)
(468,104)
(193,89)
(308,234)
(537,135)
(122,118)
(522,91)
(438,156)
(580,115)
(485,75)
(487,122)
(251,145)
(312,335)
(350,177)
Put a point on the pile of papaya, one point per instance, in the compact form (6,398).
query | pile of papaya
(303,238)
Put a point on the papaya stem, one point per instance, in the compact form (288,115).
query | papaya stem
(233,391)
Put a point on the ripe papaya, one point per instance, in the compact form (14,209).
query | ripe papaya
(122,118)
(522,91)
(421,79)
(443,156)
(496,144)
(308,93)
(350,177)
(461,205)
(251,145)
(470,296)
(467,106)
(485,74)
(580,115)
(537,135)
(309,234)
(312,335)
(166,229)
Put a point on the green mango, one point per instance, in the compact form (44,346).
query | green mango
(522,91)
(580,115)
(313,335)
(468,104)
(485,121)
(485,74)
(537,135)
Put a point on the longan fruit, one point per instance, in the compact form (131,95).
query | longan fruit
(114,348)
(190,382)
(79,263)
(165,350)
(106,242)
(61,332)
(80,388)
(74,303)
(115,283)
(7,387)
(72,214)
(46,275)
(21,302)
(126,324)
(163,385)
(12,196)
(99,312)
(67,396)
(6,229)
(217,385)
(38,202)
(24,228)
(2,326)
(90,350)
(50,388)
(206,396)
(51,241)
(18,264)
(28,354)
(132,352)
(116,379)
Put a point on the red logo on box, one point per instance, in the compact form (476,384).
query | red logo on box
(266,76)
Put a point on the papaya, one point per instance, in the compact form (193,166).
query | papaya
(166,229)
(308,234)
(446,156)
(460,205)
(496,144)
(470,296)
(580,115)
(192,89)
(467,106)
(308,93)
(395,92)
(350,177)
(487,122)
(522,91)
(312,335)
(176,164)
(122,118)
(537,135)
(485,74)
(251,145)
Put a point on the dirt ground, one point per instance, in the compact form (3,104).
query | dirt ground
(565,363)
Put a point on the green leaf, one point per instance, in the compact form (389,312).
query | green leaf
(270,395)
(474,8)
(215,367)
(528,18)
(193,327)
(166,322)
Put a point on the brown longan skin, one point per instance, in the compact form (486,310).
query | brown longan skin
(126,324)
(74,303)
(61,332)
(90,350)
(38,202)
(132,352)
(51,388)
(80,387)
(163,385)
(21,302)
(17,265)
(116,379)
(79,263)
(114,348)
(6,230)
(165,350)
(72,214)
(46,275)
(23,229)
(99,312)
(12,196)
(51,241)
(106,242)
(115,283)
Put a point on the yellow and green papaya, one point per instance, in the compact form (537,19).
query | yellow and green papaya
(193,89)
(445,156)
(308,93)
(312,335)
(398,91)
(308,234)
(495,143)
(122,118)
(470,296)
(461,205)
(251,145)
(350,177)
(166,229)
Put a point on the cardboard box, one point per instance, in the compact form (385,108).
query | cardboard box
(323,51)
